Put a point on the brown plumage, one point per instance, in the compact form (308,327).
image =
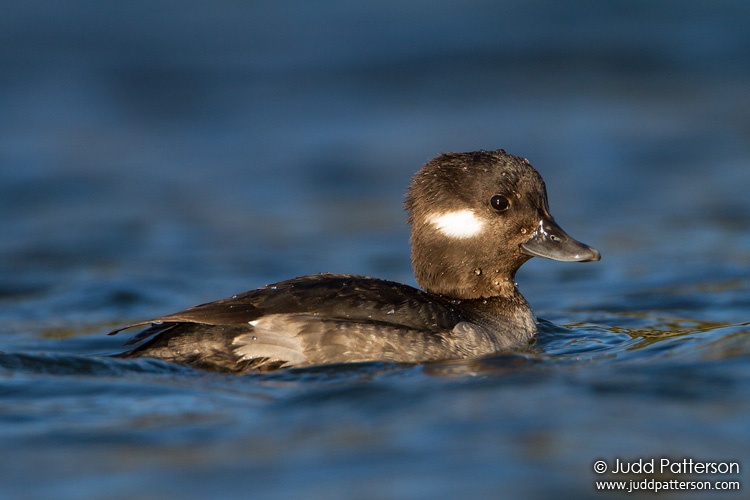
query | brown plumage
(475,218)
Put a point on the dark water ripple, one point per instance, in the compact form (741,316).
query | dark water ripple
(500,414)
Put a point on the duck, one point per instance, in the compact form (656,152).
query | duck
(475,217)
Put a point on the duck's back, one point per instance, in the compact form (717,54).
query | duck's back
(308,321)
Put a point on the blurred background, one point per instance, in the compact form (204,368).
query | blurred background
(158,154)
(200,142)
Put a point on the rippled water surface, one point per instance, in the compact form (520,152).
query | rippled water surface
(156,155)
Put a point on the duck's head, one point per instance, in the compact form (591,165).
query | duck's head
(476,218)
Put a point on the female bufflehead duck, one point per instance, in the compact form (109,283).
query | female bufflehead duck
(475,219)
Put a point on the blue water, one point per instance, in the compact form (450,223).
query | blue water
(156,155)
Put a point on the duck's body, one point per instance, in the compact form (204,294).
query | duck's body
(329,318)
(476,218)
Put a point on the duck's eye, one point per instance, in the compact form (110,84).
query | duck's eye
(500,203)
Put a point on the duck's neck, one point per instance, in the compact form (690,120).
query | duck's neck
(505,315)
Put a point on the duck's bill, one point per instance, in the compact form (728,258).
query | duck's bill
(551,242)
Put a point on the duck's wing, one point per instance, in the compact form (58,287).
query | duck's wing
(305,321)
(325,295)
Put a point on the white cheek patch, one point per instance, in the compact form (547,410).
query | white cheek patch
(458,224)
